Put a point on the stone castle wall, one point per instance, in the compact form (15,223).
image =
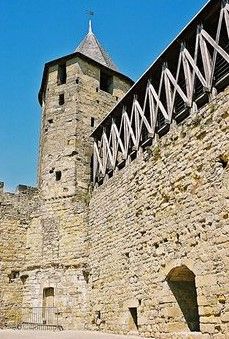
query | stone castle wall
(159,235)
(15,210)
(57,258)
(147,252)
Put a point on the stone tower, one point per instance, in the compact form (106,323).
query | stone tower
(77,91)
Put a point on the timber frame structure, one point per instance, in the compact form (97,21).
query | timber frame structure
(188,74)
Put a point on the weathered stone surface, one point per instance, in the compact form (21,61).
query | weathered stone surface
(167,208)
(146,252)
(15,210)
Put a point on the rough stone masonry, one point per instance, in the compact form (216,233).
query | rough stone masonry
(166,210)
(146,252)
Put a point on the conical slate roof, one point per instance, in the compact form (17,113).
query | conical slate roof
(91,47)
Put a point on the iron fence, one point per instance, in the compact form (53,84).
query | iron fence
(40,318)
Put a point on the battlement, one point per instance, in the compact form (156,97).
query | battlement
(20,189)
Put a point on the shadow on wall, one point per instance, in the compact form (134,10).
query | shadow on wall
(182,284)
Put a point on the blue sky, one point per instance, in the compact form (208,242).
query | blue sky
(134,32)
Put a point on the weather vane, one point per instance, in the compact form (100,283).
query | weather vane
(90,13)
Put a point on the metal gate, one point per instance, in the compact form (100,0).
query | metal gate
(40,318)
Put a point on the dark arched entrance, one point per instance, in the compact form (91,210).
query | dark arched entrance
(182,284)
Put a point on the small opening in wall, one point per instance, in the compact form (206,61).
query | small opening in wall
(77,80)
(133,321)
(73,153)
(13,275)
(62,75)
(127,254)
(24,278)
(50,121)
(61,99)
(97,89)
(106,82)
(86,276)
(98,315)
(51,170)
(92,121)
(223,162)
(58,175)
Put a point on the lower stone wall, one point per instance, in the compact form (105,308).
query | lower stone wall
(15,210)
(57,258)
(159,235)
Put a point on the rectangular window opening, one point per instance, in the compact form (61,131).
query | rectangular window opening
(106,82)
(62,75)
(58,175)
(61,99)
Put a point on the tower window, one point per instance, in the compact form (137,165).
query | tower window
(92,121)
(106,82)
(61,99)
(58,175)
(61,75)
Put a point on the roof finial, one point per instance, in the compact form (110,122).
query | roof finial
(90,27)
(90,13)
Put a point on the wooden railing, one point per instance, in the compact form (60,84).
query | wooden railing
(189,77)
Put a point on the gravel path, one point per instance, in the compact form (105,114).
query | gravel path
(20,334)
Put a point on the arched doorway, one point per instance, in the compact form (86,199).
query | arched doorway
(182,284)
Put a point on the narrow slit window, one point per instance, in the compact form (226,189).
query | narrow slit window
(61,99)
(62,74)
(106,82)
(58,175)
(92,121)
